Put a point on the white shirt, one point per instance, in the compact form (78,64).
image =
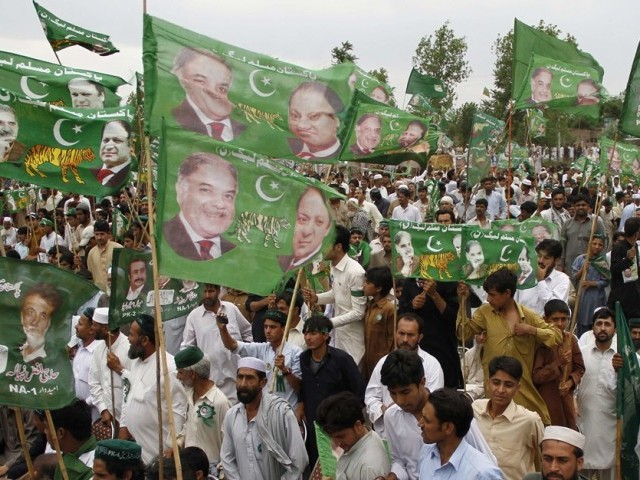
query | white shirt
(201,330)
(556,286)
(349,300)
(376,395)
(227,131)
(10,236)
(365,460)
(475,221)
(410,214)
(556,216)
(100,376)
(47,242)
(81,366)
(139,410)
(373,212)
(215,250)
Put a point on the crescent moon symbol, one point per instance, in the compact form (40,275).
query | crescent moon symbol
(24,84)
(255,89)
(58,136)
(562,80)
(394,125)
(506,250)
(430,247)
(5,95)
(364,82)
(263,195)
(223,151)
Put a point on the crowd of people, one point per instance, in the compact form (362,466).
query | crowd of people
(404,377)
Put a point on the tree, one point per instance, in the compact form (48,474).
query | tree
(343,54)
(442,55)
(459,130)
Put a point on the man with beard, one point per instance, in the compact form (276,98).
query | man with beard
(200,330)
(112,351)
(596,397)
(576,232)
(10,149)
(39,305)
(402,374)
(137,278)
(138,420)
(409,333)
(557,213)
(207,405)
(562,455)
(261,437)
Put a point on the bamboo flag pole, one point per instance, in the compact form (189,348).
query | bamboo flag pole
(23,441)
(463,316)
(509,173)
(113,393)
(53,435)
(287,327)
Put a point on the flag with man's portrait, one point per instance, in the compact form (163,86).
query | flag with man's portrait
(62,34)
(63,147)
(536,123)
(37,302)
(487,131)
(53,83)
(620,158)
(232,217)
(630,116)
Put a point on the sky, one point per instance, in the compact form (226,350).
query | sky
(384,33)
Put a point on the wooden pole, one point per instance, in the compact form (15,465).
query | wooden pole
(113,393)
(53,435)
(23,441)
(463,308)
(509,174)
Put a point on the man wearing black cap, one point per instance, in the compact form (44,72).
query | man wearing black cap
(286,366)
(100,257)
(118,460)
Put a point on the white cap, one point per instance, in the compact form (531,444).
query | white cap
(7,219)
(526,182)
(377,176)
(636,196)
(446,199)
(101,316)
(253,363)
(87,234)
(514,210)
(564,434)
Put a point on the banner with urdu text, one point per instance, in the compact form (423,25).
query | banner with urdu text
(235,218)
(72,149)
(37,302)
(619,158)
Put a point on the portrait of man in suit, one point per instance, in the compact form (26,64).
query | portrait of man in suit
(85,93)
(206,192)
(313,119)
(413,134)
(10,148)
(206,79)
(313,224)
(137,278)
(587,92)
(39,304)
(368,130)
(115,153)
(541,85)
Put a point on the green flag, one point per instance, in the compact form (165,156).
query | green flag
(66,148)
(536,123)
(627,397)
(533,227)
(528,41)
(235,218)
(14,201)
(620,158)
(590,168)
(630,116)
(450,253)
(367,83)
(119,225)
(429,87)
(57,84)
(62,34)
(519,155)
(132,290)
(328,461)
(486,134)
(37,301)
(575,89)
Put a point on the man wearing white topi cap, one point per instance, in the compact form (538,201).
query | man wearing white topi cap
(562,455)
(261,437)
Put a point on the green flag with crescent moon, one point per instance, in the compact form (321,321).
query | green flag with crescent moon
(620,158)
(62,34)
(52,83)
(536,123)
(37,302)
(451,253)
(232,217)
(72,149)
(13,201)
(630,115)
(429,87)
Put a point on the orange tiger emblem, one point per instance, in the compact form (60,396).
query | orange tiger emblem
(65,158)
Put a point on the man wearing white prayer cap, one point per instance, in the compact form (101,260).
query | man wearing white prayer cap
(261,436)
(562,455)
(8,233)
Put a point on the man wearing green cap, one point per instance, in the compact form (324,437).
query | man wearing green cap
(49,240)
(286,366)
(118,460)
(206,405)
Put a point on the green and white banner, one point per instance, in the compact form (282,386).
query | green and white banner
(536,123)
(37,302)
(619,158)
(630,116)
(486,134)
(13,201)
(533,227)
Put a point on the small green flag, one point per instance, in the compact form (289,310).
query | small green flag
(519,155)
(630,116)
(486,134)
(429,87)
(627,397)
(62,34)
(590,168)
(37,302)
(537,124)
(327,459)
(486,92)
(15,200)
(620,158)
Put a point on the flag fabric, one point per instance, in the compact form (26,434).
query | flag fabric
(132,291)
(326,457)
(620,158)
(37,302)
(536,123)
(486,92)
(450,253)
(232,217)
(12,201)
(62,34)
(533,227)
(52,83)
(63,148)
(627,398)
(119,225)
(589,167)
(367,83)
(486,134)
(630,116)
(429,87)
(519,155)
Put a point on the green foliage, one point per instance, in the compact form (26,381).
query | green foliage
(442,55)
(459,130)
(343,54)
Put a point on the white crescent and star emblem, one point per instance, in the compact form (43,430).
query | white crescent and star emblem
(562,82)
(273,185)
(266,82)
(24,84)
(506,250)
(394,125)
(58,136)
(431,247)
